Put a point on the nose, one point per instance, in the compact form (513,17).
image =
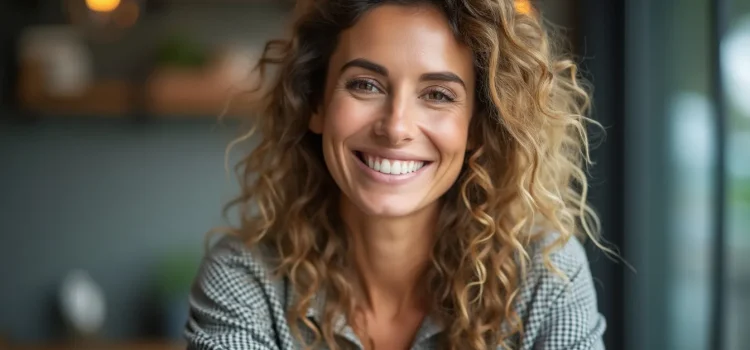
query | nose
(397,126)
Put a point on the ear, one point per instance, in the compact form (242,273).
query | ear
(316,122)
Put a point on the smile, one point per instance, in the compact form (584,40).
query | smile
(392,167)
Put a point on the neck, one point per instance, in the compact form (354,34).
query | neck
(390,256)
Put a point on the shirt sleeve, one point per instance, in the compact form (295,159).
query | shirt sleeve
(229,305)
(573,321)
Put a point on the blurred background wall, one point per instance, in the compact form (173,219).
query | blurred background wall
(112,198)
(112,159)
(117,192)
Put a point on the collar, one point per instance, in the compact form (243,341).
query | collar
(429,327)
(341,327)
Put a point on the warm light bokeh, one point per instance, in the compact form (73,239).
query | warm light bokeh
(523,6)
(102,5)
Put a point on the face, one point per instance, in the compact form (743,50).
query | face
(396,110)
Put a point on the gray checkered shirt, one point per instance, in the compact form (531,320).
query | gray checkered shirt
(234,304)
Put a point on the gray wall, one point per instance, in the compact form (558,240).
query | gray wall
(110,197)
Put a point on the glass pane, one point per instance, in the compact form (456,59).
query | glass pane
(691,159)
(735,52)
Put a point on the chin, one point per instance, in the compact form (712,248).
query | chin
(388,206)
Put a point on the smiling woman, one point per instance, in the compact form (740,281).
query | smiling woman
(419,184)
(396,94)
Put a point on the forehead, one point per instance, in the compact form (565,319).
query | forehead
(413,38)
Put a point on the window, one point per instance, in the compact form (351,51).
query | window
(735,68)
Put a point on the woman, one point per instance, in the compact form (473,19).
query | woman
(418,185)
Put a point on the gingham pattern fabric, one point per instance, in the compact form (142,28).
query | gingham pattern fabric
(235,305)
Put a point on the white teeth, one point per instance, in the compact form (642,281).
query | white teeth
(391,166)
(385,166)
(396,167)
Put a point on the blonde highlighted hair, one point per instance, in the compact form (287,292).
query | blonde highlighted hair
(525,178)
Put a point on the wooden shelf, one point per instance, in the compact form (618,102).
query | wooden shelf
(173,91)
(168,93)
(106,98)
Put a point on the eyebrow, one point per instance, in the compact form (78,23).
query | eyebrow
(442,76)
(379,69)
(366,64)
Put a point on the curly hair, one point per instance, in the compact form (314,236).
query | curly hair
(525,178)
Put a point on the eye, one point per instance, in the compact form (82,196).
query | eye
(363,85)
(439,95)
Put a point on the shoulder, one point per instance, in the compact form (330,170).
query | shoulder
(232,268)
(230,253)
(234,286)
(566,255)
(557,301)
(555,265)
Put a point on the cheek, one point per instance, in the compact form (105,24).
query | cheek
(450,135)
(346,116)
